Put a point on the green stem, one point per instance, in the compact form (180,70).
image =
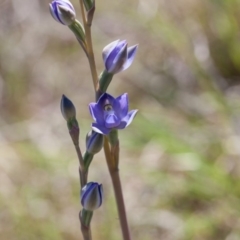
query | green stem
(91,58)
(113,137)
(86,231)
(120,204)
(90,54)
(104,81)
(85,219)
(87,158)
(78,31)
(112,162)
(82,172)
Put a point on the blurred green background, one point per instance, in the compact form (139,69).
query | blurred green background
(179,158)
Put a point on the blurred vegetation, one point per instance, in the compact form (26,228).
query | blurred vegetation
(179,159)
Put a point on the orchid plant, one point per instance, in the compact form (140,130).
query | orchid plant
(109,114)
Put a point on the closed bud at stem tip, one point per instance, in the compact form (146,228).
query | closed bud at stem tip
(67,108)
(69,113)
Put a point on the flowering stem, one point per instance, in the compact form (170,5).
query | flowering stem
(111,156)
(82,173)
(86,231)
(104,81)
(88,157)
(80,35)
(86,217)
(112,163)
(91,59)
(120,204)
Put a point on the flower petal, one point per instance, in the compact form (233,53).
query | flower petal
(127,120)
(131,55)
(108,49)
(100,129)
(121,105)
(105,99)
(111,121)
(117,58)
(96,113)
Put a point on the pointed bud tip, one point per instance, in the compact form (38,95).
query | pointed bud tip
(67,108)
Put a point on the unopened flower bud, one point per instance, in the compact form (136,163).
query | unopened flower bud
(94,142)
(67,108)
(69,113)
(62,11)
(91,196)
(117,56)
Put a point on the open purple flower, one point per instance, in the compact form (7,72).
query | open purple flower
(62,11)
(110,112)
(118,57)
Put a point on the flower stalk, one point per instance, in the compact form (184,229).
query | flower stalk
(86,217)
(91,58)
(105,79)
(112,164)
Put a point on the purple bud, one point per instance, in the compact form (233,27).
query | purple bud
(67,108)
(62,11)
(117,56)
(94,142)
(91,196)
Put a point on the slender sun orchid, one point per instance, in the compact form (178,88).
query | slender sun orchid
(111,113)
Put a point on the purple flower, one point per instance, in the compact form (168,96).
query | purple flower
(62,11)
(110,112)
(118,57)
(91,196)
